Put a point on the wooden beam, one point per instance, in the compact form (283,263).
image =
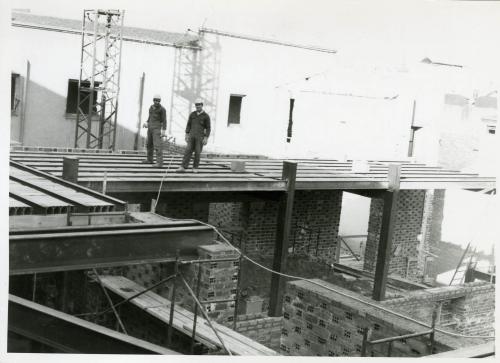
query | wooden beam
(282,237)
(386,232)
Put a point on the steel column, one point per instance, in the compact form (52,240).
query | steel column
(386,233)
(282,237)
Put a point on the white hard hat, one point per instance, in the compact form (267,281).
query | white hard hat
(198,101)
(157,97)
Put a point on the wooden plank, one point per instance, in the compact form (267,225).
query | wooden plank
(474,351)
(284,222)
(159,307)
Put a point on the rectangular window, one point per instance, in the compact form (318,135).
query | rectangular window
(15,96)
(290,121)
(234,109)
(72,97)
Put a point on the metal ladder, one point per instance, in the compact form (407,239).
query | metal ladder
(467,261)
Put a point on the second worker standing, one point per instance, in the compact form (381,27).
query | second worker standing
(197,133)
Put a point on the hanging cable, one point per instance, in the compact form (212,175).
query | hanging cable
(332,289)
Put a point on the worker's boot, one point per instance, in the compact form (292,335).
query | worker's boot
(195,170)
(180,170)
(147,161)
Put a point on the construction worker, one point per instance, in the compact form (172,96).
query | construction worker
(156,125)
(197,133)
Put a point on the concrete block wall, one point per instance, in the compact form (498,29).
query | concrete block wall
(408,226)
(319,322)
(265,330)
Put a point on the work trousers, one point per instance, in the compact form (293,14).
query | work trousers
(195,143)
(154,142)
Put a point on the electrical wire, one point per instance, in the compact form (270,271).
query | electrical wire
(332,289)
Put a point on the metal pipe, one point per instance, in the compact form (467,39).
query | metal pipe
(119,320)
(204,314)
(208,260)
(237,295)
(366,338)
(433,331)
(216,301)
(172,301)
(139,113)
(24,101)
(195,319)
(405,336)
(34,287)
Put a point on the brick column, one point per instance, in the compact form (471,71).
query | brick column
(218,281)
(318,211)
(431,230)
(407,250)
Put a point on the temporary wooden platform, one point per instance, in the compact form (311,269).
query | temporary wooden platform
(159,307)
(125,173)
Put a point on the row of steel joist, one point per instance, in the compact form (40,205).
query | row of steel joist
(34,192)
(75,248)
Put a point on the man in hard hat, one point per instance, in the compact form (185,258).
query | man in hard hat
(156,124)
(197,133)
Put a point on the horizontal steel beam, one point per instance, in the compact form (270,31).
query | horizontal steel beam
(68,334)
(81,248)
(143,186)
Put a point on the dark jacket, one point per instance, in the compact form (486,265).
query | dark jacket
(157,117)
(198,125)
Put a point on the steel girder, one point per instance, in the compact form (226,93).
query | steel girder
(74,248)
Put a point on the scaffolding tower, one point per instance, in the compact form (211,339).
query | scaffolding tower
(99,83)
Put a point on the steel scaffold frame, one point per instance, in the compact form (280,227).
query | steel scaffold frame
(99,82)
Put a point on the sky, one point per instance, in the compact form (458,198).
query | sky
(389,32)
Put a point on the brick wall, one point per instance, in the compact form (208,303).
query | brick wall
(265,330)
(466,309)
(328,323)
(407,250)
(181,206)
(315,223)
